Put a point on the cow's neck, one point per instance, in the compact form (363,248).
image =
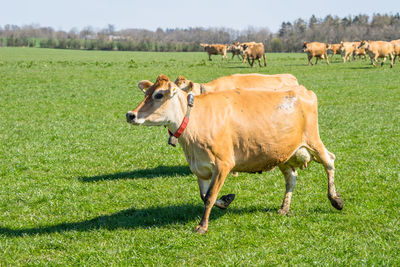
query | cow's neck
(179,113)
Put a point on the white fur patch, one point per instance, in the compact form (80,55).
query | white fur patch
(288,104)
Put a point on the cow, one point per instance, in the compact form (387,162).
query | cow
(239,130)
(242,81)
(396,49)
(254,52)
(215,49)
(317,50)
(378,49)
(235,49)
(347,49)
(242,48)
(360,52)
(335,48)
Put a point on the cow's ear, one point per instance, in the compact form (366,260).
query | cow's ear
(190,87)
(143,85)
(173,89)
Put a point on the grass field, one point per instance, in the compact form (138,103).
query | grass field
(80,186)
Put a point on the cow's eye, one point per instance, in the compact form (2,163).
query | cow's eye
(158,96)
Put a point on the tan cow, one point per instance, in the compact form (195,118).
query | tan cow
(335,48)
(242,46)
(234,81)
(347,49)
(396,49)
(378,49)
(254,52)
(215,49)
(317,50)
(239,130)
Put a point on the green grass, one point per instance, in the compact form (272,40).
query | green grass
(79,186)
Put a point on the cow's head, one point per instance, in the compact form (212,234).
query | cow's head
(159,105)
(364,44)
(305,45)
(183,83)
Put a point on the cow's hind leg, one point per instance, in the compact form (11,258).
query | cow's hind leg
(290,174)
(322,155)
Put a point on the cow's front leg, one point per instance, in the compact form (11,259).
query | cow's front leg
(326,56)
(220,172)
(310,57)
(221,203)
(383,61)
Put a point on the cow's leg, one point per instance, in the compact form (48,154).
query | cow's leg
(252,61)
(290,179)
(221,203)
(383,61)
(316,60)
(326,56)
(391,60)
(375,60)
(328,160)
(259,62)
(220,172)
(310,57)
(209,57)
(265,62)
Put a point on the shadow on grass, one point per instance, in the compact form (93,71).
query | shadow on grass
(131,219)
(361,68)
(159,171)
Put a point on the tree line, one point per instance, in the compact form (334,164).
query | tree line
(289,38)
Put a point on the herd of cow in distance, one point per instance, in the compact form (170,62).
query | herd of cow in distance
(252,51)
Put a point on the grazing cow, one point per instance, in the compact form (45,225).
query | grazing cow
(242,48)
(360,52)
(234,81)
(239,130)
(254,52)
(335,48)
(378,49)
(215,49)
(396,49)
(235,49)
(317,50)
(347,49)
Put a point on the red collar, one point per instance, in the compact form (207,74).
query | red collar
(173,138)
(181,128)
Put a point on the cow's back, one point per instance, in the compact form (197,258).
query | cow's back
(316,48)
(254,80)
(381,48)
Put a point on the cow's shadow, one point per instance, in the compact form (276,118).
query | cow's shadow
(159,171)
(131,219)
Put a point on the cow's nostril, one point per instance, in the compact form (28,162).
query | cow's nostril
(130,116)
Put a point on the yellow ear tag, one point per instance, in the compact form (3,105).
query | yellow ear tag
(174,91)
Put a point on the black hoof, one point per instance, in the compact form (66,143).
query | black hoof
(227,199)
(337,202)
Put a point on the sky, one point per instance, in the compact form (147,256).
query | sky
(153,14)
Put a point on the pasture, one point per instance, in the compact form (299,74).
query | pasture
(80,186)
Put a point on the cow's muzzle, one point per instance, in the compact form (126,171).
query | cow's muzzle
(130,117)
